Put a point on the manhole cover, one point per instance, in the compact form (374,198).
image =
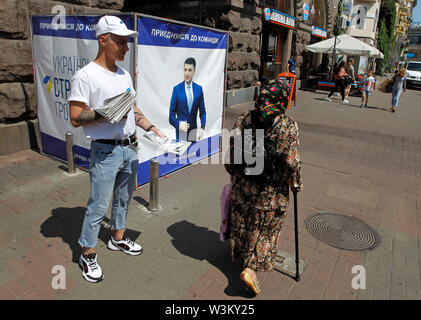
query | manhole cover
(342,232)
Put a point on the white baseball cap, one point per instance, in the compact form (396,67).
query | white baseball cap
(114,25)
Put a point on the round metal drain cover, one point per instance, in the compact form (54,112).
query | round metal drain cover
(342,232)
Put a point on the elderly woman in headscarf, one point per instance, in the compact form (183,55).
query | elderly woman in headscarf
(260,203)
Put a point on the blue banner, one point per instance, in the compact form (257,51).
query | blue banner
(57,148)
(171,162)
(78,27)
(161,33)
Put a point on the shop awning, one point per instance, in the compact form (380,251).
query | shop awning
(345,44)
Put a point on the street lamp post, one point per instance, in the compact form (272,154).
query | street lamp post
(334,54)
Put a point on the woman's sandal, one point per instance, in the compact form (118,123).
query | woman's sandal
(253,285)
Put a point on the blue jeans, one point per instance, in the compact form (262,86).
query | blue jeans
(112,172)
(395,97)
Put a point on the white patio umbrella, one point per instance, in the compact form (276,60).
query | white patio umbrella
(347,45)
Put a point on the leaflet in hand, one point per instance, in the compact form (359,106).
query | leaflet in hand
(115,108)
(154,138)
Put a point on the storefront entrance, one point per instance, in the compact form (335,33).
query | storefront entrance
(276,41)
(268,55)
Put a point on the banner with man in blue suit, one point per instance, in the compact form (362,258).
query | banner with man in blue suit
(180,87)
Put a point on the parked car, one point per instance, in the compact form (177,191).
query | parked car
(413,73)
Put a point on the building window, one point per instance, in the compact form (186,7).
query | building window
(271,3)
(318,14)
(268,54)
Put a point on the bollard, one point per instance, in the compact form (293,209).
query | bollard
(153,185)
(69,151)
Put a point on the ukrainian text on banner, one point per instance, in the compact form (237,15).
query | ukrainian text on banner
(59,50)
(166,51)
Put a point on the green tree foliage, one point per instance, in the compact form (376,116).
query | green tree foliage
(339,31)
(384,45)
(387,18)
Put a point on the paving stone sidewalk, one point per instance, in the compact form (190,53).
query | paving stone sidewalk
(364,163)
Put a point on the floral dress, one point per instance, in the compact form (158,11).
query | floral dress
(259,209)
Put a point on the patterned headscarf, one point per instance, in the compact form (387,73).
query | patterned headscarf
(273,99)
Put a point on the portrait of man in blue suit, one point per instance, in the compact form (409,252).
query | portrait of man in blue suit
(187,99)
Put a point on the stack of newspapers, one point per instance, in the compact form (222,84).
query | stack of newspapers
(115,108)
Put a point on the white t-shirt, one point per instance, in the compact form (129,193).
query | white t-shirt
(92,85)
(369,83)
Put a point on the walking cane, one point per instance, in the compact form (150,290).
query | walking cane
(297,259)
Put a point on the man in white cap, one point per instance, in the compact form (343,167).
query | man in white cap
(114,160)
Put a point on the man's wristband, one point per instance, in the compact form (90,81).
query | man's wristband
(97,115)
(149,128)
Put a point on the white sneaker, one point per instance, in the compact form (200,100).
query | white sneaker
(126,245)
(345,101)
(91,270)
(328,99)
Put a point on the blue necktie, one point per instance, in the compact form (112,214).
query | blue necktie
(190,102)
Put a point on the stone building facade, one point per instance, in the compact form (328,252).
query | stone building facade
(414,46)
(310,14)
(243,19)
(258,48)
(18,110)
(363,19)
(399,49)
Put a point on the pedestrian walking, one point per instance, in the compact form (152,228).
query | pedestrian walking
(114,158)
(260,202)
(340,75)
(368,88)
(399,85)
(350,78)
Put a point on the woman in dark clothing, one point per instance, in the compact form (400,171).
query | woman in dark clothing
(260,203)
(340,75)
(350,79)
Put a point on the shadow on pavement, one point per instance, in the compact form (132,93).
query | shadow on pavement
(64,168)
(368,107)
(203,244)
(66,223)
(141,201)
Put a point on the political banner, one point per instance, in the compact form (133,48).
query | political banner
(180,89)
(60,48)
